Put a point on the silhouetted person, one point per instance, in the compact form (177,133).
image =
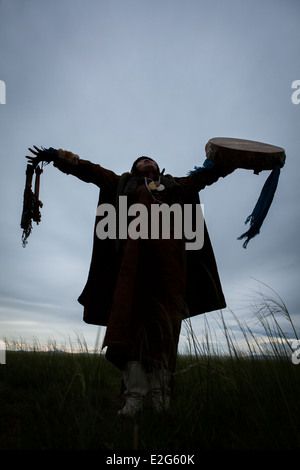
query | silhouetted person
(142,288)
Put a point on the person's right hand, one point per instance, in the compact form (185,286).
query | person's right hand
(41,155)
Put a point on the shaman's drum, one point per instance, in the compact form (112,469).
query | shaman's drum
(240,153)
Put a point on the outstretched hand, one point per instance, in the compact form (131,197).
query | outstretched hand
(41,155)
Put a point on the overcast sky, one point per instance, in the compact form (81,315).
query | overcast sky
(112,80)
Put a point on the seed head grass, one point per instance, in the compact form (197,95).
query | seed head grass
(228,398)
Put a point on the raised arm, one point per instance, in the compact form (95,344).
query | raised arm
(203,176)
(70,163)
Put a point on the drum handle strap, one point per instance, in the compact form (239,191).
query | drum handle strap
(262,206)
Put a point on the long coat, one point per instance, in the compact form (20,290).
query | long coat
(117,267)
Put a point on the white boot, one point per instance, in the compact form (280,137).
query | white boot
(161,390)
(136,386)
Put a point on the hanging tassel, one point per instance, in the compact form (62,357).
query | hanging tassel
(31,202)
(262,206)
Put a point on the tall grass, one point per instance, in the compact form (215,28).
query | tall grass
(232,398)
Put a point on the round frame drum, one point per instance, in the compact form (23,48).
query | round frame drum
(240,153)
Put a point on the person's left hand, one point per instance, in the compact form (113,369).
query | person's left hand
(41,155)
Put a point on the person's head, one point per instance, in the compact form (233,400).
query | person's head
(144,166)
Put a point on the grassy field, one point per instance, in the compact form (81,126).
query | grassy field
(69,401)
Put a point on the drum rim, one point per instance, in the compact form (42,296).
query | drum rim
(245,145)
